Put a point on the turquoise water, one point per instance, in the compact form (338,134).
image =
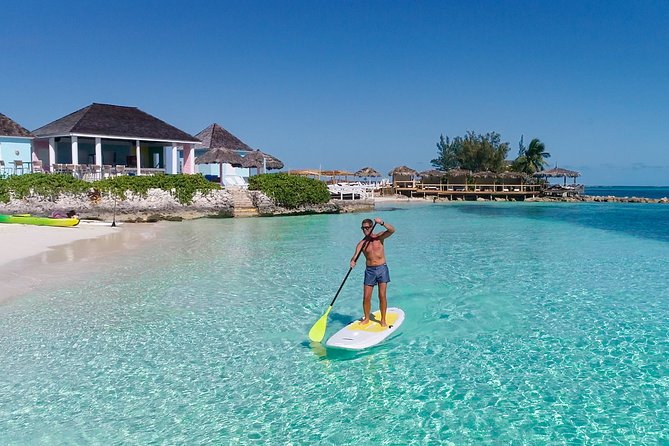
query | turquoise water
(527,323)
(628,191)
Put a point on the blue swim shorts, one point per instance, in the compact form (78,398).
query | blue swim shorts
(377,274)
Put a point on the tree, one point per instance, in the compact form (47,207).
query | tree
(448,153)
(473,152)
(531,159)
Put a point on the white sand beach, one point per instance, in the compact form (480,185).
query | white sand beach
(31,256)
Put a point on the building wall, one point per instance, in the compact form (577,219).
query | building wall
(13,148)
(10,145)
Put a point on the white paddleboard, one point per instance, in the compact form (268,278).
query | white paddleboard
(356,336)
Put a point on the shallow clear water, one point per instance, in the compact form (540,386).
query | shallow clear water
(526,323)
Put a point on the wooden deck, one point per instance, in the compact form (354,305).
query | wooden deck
(468,191)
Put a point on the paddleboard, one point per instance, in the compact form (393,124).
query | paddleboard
(356,336)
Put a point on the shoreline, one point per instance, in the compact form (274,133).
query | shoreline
(37,256)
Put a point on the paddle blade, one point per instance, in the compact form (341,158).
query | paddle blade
(317,332)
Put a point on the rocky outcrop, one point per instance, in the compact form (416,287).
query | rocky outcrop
(157,205)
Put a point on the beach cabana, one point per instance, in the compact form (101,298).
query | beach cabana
(512,181)
(261,161)
(220,156)
(104,134)
(484,180)
(432,178)
(15,147)
(403,176)
(216,137)
(456,179)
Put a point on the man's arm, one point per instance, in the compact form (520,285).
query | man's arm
(390,229)
(357,251)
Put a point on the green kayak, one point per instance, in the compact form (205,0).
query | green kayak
(39,221)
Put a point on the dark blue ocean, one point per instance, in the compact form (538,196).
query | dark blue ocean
(628,191)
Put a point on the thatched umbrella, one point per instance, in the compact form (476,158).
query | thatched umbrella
(367,172)
(558,172)
(220,156)
(257,159)
(403,170)
(305,172)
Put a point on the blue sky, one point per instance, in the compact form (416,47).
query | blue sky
(347,84)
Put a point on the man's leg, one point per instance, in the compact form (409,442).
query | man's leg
(366,302)
(383,303)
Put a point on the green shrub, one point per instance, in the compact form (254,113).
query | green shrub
(42,184)
(182,187)
(290,191)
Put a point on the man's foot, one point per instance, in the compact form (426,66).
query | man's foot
(364,321)
(383,323)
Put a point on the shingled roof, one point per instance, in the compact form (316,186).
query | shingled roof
(9,127)
(216,137)
(114,120)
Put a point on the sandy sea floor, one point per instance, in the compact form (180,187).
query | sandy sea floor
(38,256)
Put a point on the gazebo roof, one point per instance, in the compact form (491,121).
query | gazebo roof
(9,127)
(107,120)
(215,136)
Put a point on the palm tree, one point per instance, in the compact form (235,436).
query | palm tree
(531,159)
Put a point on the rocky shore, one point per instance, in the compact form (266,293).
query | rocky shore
(161,205)
(602,199)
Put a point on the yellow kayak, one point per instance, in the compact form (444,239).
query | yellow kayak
(39,221)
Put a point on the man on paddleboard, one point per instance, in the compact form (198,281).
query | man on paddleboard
(376,272)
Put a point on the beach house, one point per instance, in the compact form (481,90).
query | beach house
(102,137)
(15,147)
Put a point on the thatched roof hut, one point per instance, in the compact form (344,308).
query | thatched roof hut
(403,170)
(216,137)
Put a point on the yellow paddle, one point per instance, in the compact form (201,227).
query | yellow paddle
(317,332)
